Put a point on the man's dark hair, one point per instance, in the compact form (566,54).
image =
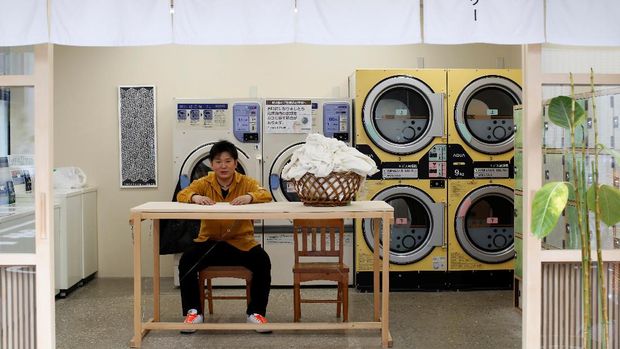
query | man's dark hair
(223,147)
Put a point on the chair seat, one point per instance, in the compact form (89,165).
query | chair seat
(220,271)
(232,271)
(320,267)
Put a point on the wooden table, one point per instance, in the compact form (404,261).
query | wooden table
(376,210)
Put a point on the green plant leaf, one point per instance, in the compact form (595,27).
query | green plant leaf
(549,202)
(609,203)
(560,112)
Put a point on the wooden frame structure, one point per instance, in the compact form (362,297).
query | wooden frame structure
(42,81)
(534,256)
(378,211)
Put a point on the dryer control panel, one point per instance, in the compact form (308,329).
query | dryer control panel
(462,166)
(217,115)
(208,115)
(336,120)
(246,122)
(430,166)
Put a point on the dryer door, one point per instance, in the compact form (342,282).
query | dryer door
(197,164)
(418,224)
(402,115)
(282,190)
(484,224)
(483,114)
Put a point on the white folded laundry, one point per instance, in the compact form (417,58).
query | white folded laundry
(321,156)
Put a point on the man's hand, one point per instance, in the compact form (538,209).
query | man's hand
(242,200)
(202,200)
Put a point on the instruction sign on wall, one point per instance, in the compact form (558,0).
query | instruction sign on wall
(288,116)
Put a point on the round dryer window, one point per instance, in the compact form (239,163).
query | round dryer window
(281,189)
(485,224)
(484,115)
(197,164)
(417,225)
(288,189)
(401,115)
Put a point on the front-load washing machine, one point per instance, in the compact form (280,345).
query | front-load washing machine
(418,246)
(203,122)
(200,123)
(287,123)
(399,117)
(481,233)
(480,122)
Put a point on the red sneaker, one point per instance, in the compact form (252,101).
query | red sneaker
(192,317)
(258,319)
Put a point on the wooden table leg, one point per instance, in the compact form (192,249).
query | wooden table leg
(376,269)
(136,342)
(156,284)
(385,306)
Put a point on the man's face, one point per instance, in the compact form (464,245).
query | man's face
(224,167)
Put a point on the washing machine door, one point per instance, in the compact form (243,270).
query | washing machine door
(281,189)
(197,163)
(483,114)
(418,224)
(402,115)
(484,224)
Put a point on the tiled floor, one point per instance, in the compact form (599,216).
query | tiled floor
(99,315)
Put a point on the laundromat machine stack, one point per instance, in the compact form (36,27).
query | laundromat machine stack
(400,123)
(443,141)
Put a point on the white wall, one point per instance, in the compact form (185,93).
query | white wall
(86,116)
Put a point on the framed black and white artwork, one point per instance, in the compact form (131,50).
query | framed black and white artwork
(137,136)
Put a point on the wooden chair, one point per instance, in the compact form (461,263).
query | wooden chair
(315,239)
(212,272)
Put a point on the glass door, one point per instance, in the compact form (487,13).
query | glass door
(26,216)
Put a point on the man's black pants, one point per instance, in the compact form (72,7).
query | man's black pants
(210,252)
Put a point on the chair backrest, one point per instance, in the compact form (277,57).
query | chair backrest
(318,238)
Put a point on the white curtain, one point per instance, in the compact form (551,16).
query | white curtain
(23,22)
(485,21)
(324,22)
(111,22)
(233,22)
(358,22)
(581,22)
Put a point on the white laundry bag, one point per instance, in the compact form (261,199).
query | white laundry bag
(69,178)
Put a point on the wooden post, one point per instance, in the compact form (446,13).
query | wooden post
(137,284)
(385,314)
(532,181)
(156,261)
(376,265)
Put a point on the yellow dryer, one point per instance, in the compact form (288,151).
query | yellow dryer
(417,242)
(399,114)
(481,224)
(480,122)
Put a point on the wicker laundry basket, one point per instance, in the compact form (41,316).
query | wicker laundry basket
(335,189)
